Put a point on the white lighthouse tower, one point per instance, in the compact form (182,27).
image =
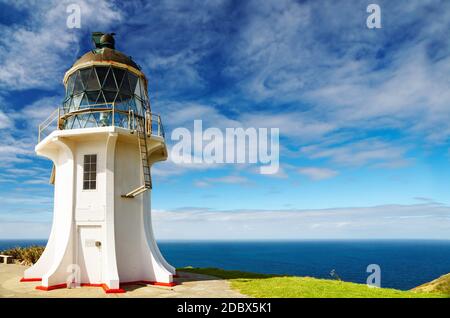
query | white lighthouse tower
(102,141)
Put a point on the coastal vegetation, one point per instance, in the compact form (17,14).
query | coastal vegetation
(25,255)
(283,286)
(439,285)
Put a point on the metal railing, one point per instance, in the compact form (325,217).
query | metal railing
(51,121)
(111,116)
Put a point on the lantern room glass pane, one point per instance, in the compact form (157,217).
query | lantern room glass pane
(90,121)
(109,96)
(100,98)
(133,81)
(125,88)
(142,89)
(84,102)
(100,87)
(119,74)
(70,105)
(78,87)
(138,102)
(66,104)
(92,97)
(137,90)
(92,82)
(125,97)
(76,101)
(110,82)
(84,75)
(104,119)
(69,90)
(76,123)
(101,73)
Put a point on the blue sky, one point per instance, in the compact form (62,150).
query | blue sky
(363,114)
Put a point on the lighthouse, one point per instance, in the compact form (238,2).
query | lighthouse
(102,141)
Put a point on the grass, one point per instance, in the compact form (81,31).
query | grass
(439,285)
(282,286)
(279,286)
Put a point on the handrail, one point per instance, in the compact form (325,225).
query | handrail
(152,121)
(47,122)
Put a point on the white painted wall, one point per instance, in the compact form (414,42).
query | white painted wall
(129,251)
(136,259)
(91,204)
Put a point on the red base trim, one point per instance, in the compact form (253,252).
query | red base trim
(147,282)
(91,285)
(104,286)
(45,288)
(24,280)
(138,282)
(160,283)
(112,291)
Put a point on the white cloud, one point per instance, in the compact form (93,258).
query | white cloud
(320,58)
(316,173)
(370,151)
(323,64)
(36,54)
(232,179)
(32,199)
(179,71)
(14,151)
(296,125)
(5,121)
(430,221)
(182,114)
(35,113)
(18,142)
(39,180)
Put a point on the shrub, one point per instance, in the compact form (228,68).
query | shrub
(25,255)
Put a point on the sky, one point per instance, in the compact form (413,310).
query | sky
(363,113)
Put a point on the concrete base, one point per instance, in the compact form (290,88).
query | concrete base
(189,286)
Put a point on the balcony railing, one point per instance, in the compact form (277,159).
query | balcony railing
(100,115)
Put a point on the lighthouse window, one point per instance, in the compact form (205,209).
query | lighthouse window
(90,172)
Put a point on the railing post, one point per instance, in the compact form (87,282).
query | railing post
(150,115)
(148,123)
(129,119)
(132,119)
(57,120)
(159,125)
(113,113)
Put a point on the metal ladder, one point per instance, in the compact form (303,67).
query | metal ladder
(143,151)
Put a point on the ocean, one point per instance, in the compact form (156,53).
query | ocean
(404,263)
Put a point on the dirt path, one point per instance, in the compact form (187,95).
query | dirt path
(189,286)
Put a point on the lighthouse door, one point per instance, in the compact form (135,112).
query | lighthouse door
(89,255)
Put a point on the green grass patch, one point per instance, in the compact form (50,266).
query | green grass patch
(439,285)
(268,286)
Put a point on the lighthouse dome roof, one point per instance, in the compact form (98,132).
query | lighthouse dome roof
(106,54)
